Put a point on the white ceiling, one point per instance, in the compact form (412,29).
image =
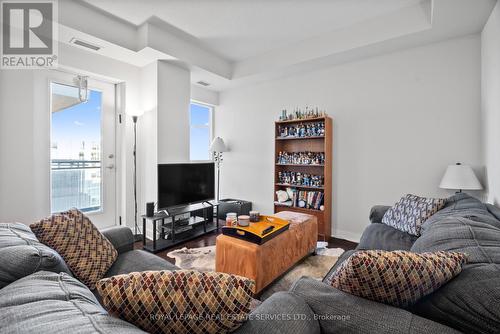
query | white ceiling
(229,43)
(239,29)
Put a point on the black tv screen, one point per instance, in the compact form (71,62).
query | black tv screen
(185,183)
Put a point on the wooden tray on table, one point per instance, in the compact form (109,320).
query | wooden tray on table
(259,232)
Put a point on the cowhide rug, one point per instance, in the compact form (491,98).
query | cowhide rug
(203,259)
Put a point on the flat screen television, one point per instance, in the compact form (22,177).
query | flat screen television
(185,183)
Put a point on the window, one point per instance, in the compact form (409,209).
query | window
(200,131)
(75,150)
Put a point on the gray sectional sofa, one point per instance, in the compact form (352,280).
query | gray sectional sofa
(469,303)
(38,294)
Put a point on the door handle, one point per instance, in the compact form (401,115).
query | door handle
(111,166)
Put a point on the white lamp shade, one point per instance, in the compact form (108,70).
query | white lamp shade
(460,177)
(135,112)
(218,145)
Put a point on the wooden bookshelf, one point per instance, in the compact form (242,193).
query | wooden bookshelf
(307,144)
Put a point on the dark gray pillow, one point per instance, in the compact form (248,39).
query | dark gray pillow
(22,254)
(52,303)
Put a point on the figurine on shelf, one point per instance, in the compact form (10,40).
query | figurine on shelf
(301,131)
(301,114)
(300,179)
(301,158)
(283,116)
(306,181)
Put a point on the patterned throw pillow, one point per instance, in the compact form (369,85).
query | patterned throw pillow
(411,212)
(396,278)
(86,251)
(180,301)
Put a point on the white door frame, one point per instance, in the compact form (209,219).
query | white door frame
(58,76)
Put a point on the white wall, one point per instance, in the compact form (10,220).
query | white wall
(18,200)
(174,94)
(147,138)
(490,100)
(399,120)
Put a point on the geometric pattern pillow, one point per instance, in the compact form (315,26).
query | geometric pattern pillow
(397,278)
(411,211)
(179,301)
(85,250)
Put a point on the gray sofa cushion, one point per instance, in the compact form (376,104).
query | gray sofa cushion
(22,254)
(493,210)
(121,237)
(466,206)
(138,260)
(471,301)
(283,312)
(383,237)
(340,312)
(479,240)
(377,212)
(52,303)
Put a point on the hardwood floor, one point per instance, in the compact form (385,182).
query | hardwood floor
(209,240)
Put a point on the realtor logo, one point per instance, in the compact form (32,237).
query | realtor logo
(29,34)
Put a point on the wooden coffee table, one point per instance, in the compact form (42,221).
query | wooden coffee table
(265,263)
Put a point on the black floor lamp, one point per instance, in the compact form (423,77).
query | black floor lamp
(217,147)
(137,231)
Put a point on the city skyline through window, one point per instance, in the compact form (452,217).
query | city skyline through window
(75,150)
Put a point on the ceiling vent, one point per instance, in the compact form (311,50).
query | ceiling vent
(203,83)
(87,45)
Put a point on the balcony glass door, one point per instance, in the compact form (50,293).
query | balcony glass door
(82,149)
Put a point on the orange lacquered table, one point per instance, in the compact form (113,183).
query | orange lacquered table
(264,263)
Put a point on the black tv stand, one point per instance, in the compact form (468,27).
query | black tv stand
(169,231)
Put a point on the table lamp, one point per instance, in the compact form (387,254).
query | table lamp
(460,177)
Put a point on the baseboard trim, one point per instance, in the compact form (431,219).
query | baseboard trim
(347,235)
